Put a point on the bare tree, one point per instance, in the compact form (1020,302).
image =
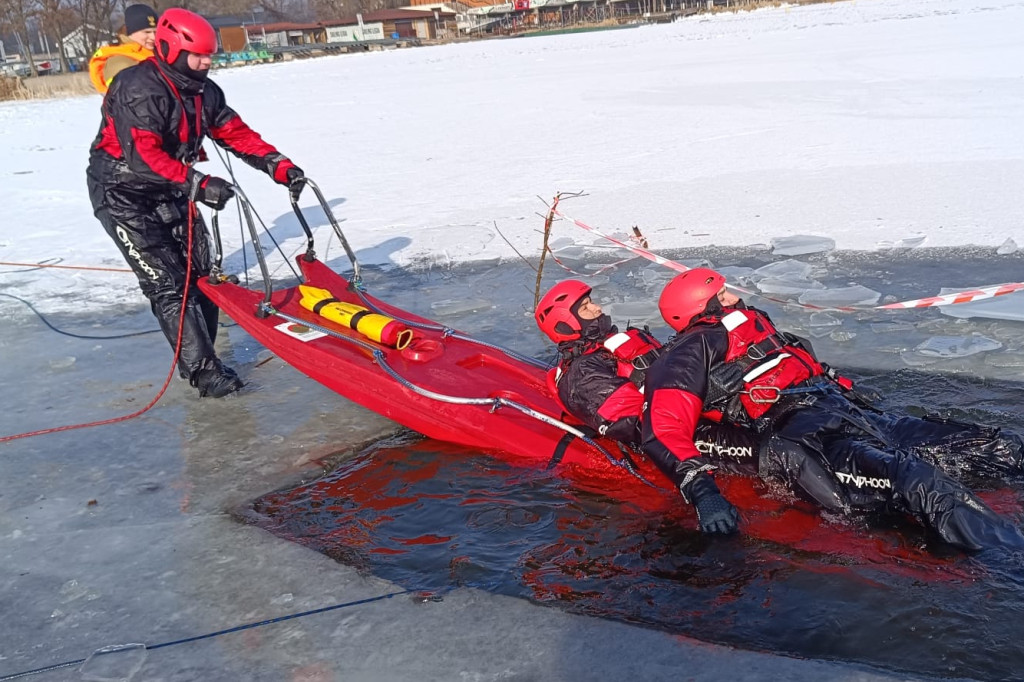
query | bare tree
(56,18)
(16,15)
(329,10)
(94,16)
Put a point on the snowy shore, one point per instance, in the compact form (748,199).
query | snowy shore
(869,122)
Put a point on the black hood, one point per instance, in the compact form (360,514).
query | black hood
(598,329)
(594,333)
(187,81)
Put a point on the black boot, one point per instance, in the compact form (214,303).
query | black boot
(214,380)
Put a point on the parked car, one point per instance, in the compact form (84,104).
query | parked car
(14,69)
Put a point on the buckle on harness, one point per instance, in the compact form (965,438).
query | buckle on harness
(754,352)
(770,394)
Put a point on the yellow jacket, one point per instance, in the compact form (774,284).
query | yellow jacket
(110,60)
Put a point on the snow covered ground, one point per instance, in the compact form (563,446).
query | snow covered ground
(867,121)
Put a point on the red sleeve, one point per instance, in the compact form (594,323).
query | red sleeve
(673,415)
(238,137)
(626,401)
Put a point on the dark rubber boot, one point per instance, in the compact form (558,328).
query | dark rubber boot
(215,380)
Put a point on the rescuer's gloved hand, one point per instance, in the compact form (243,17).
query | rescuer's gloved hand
(715,514)
(858,394)
(728,378)
(214,192)
(296,181)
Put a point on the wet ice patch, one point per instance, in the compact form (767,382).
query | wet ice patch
(787,287)
(892,327)
(956,346)
(62,363)
(737,274)
(451,307)
(794,270)
(115,663)
(800,244)
(654,277)
(855,295)
(823,319)
(634,312)
(905,243)
(1007,247)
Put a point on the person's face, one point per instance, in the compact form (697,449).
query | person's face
(588,310)
(146,37)
(727,299)
(199,62)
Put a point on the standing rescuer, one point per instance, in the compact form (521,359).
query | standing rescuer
(133,46)
(730,359)
(141,179)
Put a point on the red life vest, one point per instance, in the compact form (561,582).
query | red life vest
(769,361)
(634,351)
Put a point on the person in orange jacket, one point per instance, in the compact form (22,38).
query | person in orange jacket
(133,46)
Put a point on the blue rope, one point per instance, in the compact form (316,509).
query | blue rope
(77,336)
(126,335)
(239,628)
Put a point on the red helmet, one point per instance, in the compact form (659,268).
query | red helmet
(554,313)
(687,295)
(182,31)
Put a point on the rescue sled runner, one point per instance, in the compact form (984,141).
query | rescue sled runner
(430,378)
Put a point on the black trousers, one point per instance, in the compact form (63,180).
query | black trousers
(879,462)
(152,234)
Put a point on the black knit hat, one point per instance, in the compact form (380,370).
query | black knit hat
(138,18)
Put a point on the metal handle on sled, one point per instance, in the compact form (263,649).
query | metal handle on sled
(310,254)
(247,219)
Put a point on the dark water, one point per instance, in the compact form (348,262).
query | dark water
(427,515)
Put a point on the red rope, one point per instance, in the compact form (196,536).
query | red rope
(170,374)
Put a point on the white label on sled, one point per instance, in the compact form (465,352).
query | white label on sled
(298,331)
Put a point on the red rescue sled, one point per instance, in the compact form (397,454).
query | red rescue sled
(443,383)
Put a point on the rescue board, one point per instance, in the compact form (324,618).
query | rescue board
(441,384)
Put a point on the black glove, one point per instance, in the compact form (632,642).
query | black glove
(284,172)
(214,192)
(296,181)
(715,514)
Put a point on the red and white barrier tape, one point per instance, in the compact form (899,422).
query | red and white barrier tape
(967,296)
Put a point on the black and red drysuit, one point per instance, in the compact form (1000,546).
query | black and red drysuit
(600,381)
(140,176)
(842,454)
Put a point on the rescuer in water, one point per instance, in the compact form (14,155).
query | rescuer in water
(600,376)
(728,362)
